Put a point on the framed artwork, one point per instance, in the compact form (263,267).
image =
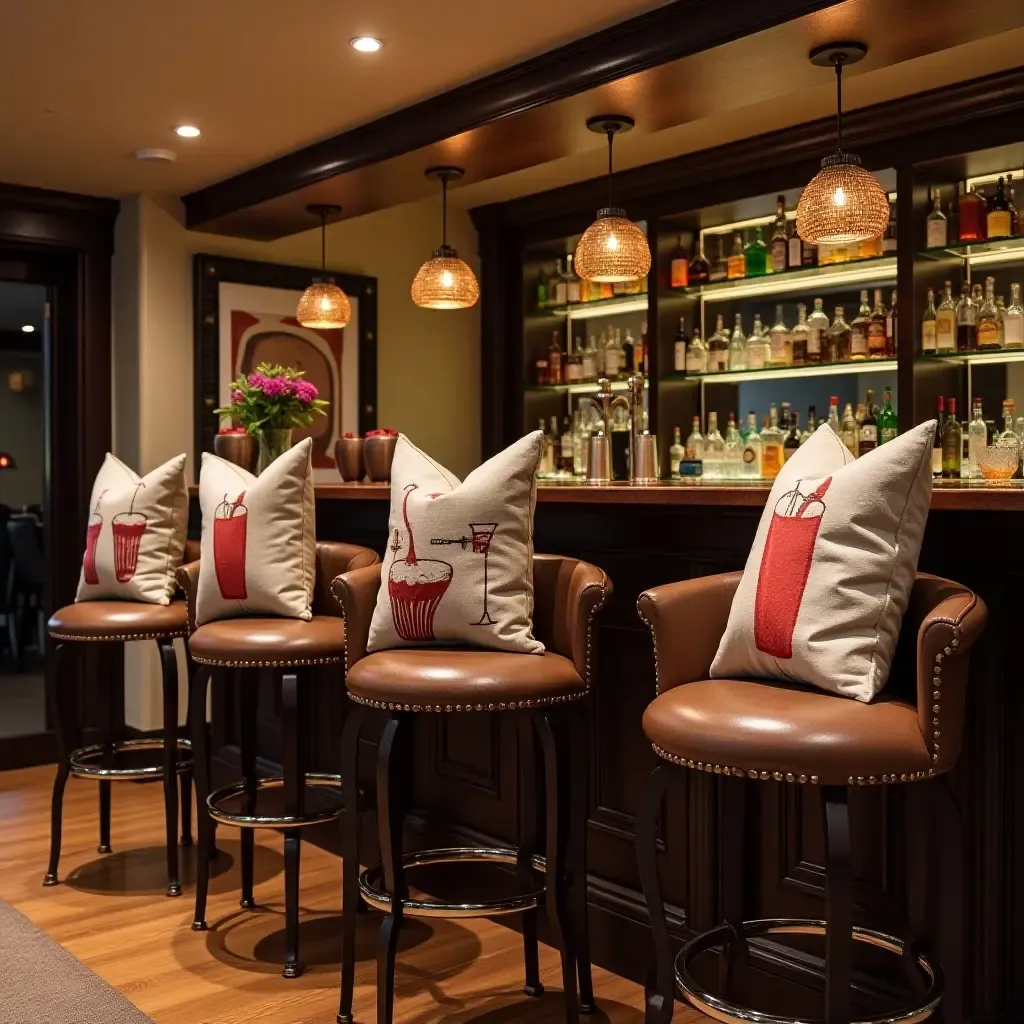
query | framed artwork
(245,315)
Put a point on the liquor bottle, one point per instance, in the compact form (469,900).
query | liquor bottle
(887,424)
(755,347)
(795,257)
(1013,320)
(737,265)
(542,289)
(1007,438)
(631,362)
(718,348)
(889,239)
(566,464)
(810,253)
(676,454)
(867,434)
(679,268)
(714,450)
(751,449)
(547,454)
(837,339)
(792,442)
(812,424)
(952,444)
(644,366)
(876,328)
(977,438)
(561,285)
(695,442)
(738,345)
(1015,225)
(987,329)
(859,329)
(966,324)
(580,437)
(799,336)
(590,360)
(772,440)
(699,271)
(817,327)
(891,327)
(858,416)
(849,431)
(720,265)
(928,326)
(936,226)
(971,219)
(612,357)
(937,440)
(574,363)
(605,290)
(945,322)
(679,356)
(555,369)
(756,256)
(781,341)
(733,457)
(573,291)
(696,354)
(833,415)
(620,352)
(780,238)
(1001,314)
(999,222)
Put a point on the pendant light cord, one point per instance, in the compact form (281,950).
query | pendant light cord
(838,61)
(611,138)
(323,239)
(444,211)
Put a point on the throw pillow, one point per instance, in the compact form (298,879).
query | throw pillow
(135,537)
(459,562)
(829,576)
(258,550)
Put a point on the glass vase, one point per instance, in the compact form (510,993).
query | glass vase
(272,444)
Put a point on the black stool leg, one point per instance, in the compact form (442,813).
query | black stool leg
(732,814)
(553,741)
(579,805)
(293,724)
(350,899)
(64,718)
(838,906)
(394,758)
(198,686)
(661,983)
(105,703)
(185,777)
(948,816)
(528,832)
(169,665)
(247,704)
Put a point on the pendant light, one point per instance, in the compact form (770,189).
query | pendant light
(323,304)
(843,202)
(613,248)
(445,281)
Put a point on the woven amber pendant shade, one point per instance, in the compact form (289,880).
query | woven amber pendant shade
(842,203)
(445,282)
(323,306)
(612,249)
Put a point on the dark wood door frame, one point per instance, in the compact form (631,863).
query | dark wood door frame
(64,242)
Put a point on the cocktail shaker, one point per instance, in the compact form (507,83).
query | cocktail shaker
(645,454)
(599,459)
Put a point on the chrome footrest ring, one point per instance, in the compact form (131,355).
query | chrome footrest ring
(371,883)
(87,762)
(730,1013)
(321,781)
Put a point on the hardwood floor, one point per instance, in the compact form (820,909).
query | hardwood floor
(111,912)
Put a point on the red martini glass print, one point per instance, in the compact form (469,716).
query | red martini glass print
(785,567)
(415,585)
(127,528)
(230,522)
(92,537)
(482,534)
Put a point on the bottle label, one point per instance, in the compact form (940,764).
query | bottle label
(876,335)
(988,333)
(755,357)
(796,252)
(999,224)
(673,464)
(936,462)
(945,332)
(680,275)
(814,341)
(561,293)
(749,455)
(779,247)
(567,446)
(868,434)
(771,460)
(928,340)
(680,359)
(936,233)
(1013,332)
(694,361)
(886,434)
(858,341)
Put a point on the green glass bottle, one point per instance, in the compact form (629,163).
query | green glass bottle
(887,419)
(757,256)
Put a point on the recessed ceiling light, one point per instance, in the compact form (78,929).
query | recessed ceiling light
(28,328)
(187,131)
(366,44)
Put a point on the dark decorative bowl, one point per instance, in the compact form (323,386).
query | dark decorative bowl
(241,449)
(348,454)
(379,453)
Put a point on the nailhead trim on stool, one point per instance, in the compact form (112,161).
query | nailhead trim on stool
(654,640)
(510,705)
(118,637)
(724,769)
(287,663)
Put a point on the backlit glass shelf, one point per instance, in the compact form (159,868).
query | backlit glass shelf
(597,307)
(997,250)
(590,388)
(788,372)
(1002,355)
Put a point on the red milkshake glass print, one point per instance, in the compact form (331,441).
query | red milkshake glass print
(415,585)
(127,528)
(230,522)
(92,536)
(785,567)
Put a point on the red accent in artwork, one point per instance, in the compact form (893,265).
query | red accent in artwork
(230,522)
(415,585)
(785,567)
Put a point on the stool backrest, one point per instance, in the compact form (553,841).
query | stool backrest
(332,559)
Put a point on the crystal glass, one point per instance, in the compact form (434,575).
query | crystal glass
(997,462)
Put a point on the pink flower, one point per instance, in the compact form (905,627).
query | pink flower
(305,391)
(275,387)
(237,396)
(258,380)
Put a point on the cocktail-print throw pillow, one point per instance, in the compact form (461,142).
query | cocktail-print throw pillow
(259,538)
(458,568)
(135,537)
(829,576)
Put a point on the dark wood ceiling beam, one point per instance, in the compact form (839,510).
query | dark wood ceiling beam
(668,33)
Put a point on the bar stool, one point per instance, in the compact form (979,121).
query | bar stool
(88,633)
(289,649)
(772,731)
(546,692)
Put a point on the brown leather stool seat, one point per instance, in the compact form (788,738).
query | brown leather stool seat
(113,621)
(461,679)
(764,729)
(260,643)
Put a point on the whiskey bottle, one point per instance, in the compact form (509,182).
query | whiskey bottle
(849,431)
(573,292)
(887,423)
(837,339)
(738,346)
(566,464)
(718,348)
(859,329)
(876,328)
(936,226)
(928,326)
(699,271)
(772,440)
(977,438)
(679,355)
(999,222)
(780,239)
(574,364)
(590,360)
(679,268)
(972,220)
(817,327)
(799,336)
(891,327)
(561,285)
(676,454)
(966,324)
(756,256)
(945,322)
(781,341)
(695,442)
(555,369)
(952,444)
(795,258)
(737,265)
(720,266)
(988,319)
(696,354)
(792,442)
(937,440)
(1013,320)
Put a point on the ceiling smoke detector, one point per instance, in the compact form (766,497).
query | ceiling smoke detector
(156,156)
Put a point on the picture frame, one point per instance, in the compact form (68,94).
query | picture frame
(244,313)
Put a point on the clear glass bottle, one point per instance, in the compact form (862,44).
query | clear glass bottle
(837,339)
(936,226)
(817,328)
(696,354)
(859,329)
(695,442)
(928,326)
(737,265)
(756,256)
(679,355)
(676,454)
(781,341)
(833,415)
(590,360)
(877,328)
(966,323)
(772,440)
(733,455)
(799,336)
(888,426)
(945,322)
(977,439)
(714,450)
(1013,320)
(738,345)
(780,237)
(987,328)
(751,449)
(756,345)
(718,348)
(848,430)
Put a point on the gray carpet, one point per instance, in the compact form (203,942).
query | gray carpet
(42,983)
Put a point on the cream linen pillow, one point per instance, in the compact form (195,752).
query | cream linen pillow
(833,562)
(259,538)
(459,562)
(135,539)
